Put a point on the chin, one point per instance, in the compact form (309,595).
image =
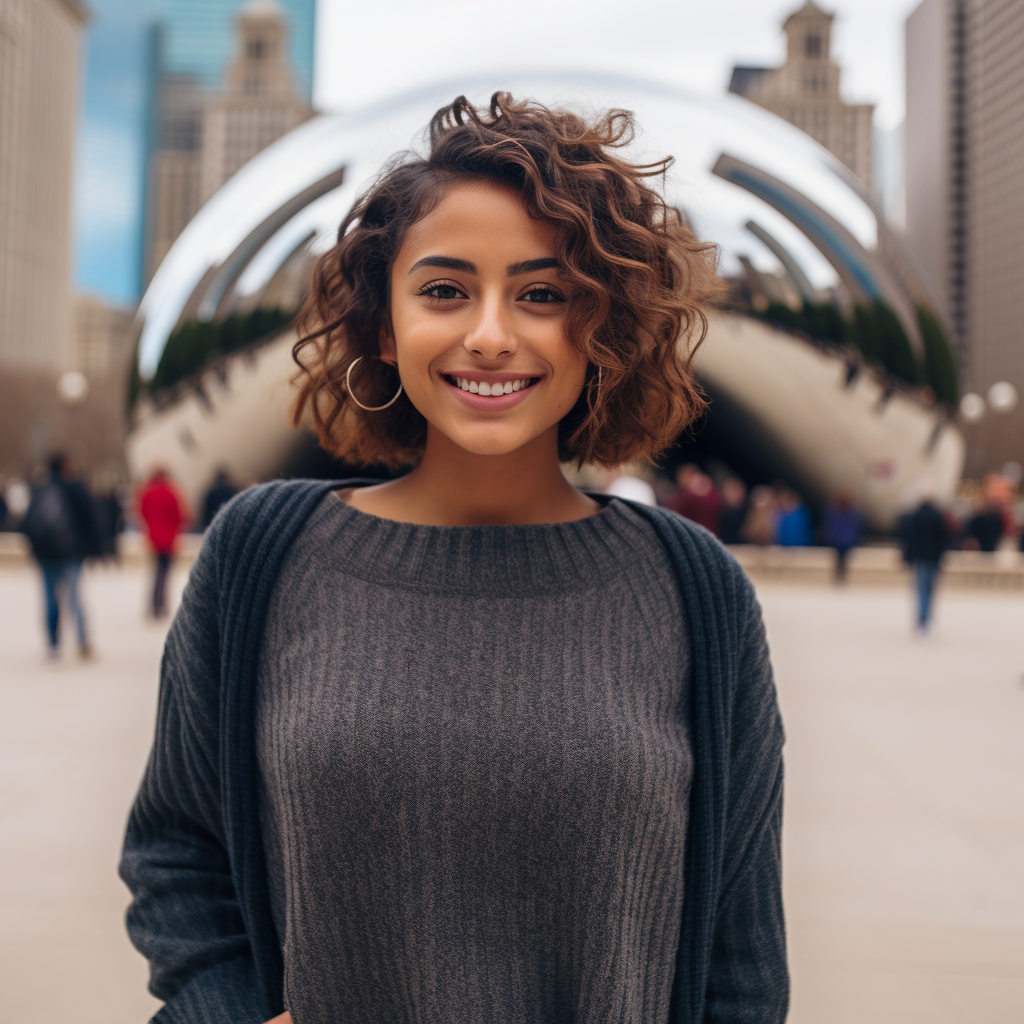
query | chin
(478,443)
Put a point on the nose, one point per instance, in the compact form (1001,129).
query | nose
(490,336)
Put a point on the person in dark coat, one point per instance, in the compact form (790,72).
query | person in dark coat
(925,540)
(734,510)
(221,491)
(60,524)
(841,529)
(110,523)
(986,527)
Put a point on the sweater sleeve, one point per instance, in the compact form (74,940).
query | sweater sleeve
(748,979)
(184,916)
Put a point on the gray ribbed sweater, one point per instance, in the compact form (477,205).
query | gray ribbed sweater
(475,773)
(193,851)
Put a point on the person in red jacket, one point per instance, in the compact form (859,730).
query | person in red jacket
(162,510)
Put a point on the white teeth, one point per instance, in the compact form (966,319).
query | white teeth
(484,388)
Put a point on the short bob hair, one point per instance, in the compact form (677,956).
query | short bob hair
(639,282)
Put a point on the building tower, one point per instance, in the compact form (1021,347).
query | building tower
(805,91)
(964,137)
(258,103)
(40,44)
(201,136)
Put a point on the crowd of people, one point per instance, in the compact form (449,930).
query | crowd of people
(67,523)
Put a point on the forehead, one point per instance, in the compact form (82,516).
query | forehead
(478,221)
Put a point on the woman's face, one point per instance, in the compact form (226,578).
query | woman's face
(478,315)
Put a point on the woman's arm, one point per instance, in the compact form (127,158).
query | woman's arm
(748,978)
(185,917)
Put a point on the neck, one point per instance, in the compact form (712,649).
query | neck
(453,487)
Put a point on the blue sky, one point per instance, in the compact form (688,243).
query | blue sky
(110,150)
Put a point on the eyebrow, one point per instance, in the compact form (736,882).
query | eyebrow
(513,269)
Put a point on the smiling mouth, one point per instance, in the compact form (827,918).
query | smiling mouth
(490,388)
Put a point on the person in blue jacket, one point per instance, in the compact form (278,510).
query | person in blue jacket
(472,744)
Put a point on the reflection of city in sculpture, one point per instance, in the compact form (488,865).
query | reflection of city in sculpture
(828,366)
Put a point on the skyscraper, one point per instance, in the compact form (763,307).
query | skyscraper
(805,91)
(232,78)
(965,190)
(40,43)
(198,39)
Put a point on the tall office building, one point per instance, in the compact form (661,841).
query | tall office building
(965,191)
(805,91)
(259,102)
(232,78)
(40,43)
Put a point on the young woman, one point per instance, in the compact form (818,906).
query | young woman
(471,745)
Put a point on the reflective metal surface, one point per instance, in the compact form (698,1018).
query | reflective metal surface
(774,201)
(735,163)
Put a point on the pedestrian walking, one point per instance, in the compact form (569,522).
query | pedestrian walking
(472,744)
(925,540)
(60,524)
(841,529)
(162,511)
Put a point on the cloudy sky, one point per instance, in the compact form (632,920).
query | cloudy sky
(367,51)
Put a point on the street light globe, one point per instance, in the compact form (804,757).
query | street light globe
(972,407)
(1002,397)
(72,387)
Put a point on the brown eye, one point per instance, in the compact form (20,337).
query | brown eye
(441,290)
(542,295)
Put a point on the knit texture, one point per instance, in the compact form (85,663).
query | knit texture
(479,814)
(194,857)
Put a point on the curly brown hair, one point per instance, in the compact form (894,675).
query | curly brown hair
(639,279)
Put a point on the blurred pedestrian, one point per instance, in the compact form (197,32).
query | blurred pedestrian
(759,525)
(60,524)
(3,507)
(162,510)
(842,526)
(221,491)
(697,498)
(925,540)
(734,509)
(794,527)
(109,522)
(985,528)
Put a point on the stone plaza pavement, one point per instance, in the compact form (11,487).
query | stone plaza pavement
(904,843)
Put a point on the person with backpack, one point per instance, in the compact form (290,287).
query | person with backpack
(60,524)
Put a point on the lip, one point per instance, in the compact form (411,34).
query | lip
(493,403)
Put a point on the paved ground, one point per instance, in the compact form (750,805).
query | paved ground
(905,806)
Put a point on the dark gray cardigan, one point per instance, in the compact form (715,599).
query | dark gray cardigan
(193,856)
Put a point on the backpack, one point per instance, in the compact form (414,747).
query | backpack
(49,523)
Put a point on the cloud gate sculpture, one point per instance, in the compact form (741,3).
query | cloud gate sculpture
(827,366)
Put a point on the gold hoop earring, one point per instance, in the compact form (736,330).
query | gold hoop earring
(368,408)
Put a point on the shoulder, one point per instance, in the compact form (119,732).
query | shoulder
(693,543)
(273,509)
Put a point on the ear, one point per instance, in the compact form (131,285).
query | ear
(386,344)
